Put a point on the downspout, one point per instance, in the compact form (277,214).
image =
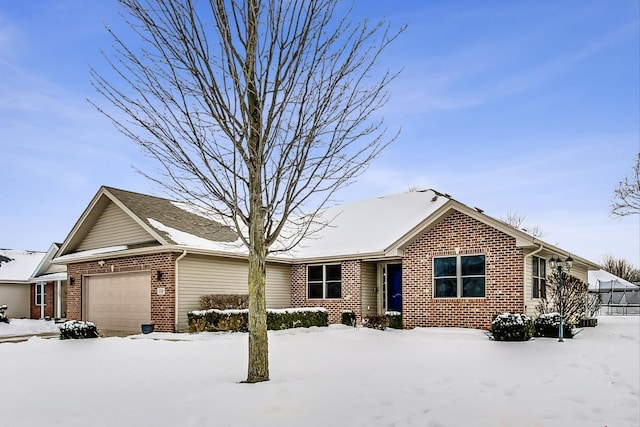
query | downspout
(524,273)
(176,280)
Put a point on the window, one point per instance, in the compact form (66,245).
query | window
(460,276)
(539,275)
(40,294)
(324,281)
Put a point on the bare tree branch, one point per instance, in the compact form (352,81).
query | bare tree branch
(626,196)
(258,110)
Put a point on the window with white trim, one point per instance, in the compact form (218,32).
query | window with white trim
(324,281)
(41,296)
(539,278)
(460,276)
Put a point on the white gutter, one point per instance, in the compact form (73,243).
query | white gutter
(176,280)
(524,273)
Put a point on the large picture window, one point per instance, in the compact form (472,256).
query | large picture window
(539,274)
(324,281)
(460,276)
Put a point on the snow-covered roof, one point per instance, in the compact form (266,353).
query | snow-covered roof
(601,276)
(369,226)
(17,266)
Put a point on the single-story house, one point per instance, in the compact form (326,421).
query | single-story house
(30,285)
(133,259)
(16,268)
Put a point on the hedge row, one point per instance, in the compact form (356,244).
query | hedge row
(215,320)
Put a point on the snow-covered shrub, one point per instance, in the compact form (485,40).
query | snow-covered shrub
(376,322)
(215,320)
(548,325)
(395,319)
(224,301)
(511,327)
(348,318)
(75,329)
(3,317)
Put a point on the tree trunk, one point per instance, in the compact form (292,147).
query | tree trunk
(258,369)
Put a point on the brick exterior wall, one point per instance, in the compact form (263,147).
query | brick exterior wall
(162,306)
(351,291)
(504,276)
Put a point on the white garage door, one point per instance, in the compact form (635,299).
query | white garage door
(117,302)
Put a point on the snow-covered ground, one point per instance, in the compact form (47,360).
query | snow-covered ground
(335,376)
(21,327)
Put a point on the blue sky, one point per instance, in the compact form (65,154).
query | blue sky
(530,107)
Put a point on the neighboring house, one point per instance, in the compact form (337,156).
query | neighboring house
(133,259)
(48,294)
(16,268)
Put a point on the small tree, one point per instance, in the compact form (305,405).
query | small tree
(626,196)
(574,297)
(621,268)
(257,110)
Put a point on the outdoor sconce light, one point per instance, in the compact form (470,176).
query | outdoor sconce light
(101,263)
(558,264)
(159,275)
(72,281)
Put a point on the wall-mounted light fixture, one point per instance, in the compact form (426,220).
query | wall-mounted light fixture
(72,281)
(159,275)
(101,263)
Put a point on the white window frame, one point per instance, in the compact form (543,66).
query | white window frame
(541,278)
(41,291)
(458,276)
(324,281)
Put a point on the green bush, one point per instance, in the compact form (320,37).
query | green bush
(376,322)
(348,318)
(215,320)
(288,318)
(395,319)
(548,325)
(75,329)
(511,327)
(224,301)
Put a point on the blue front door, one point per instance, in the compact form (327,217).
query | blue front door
(394,287)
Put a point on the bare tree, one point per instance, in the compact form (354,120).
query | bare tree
(516,220)
(574,297)
(626,196)
(621,268)
(257,110)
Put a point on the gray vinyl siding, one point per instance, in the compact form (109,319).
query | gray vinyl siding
(579,272)
(114,227)
(369,277)
(200,275)
(16,298)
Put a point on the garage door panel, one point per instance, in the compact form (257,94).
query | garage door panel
(118,302)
